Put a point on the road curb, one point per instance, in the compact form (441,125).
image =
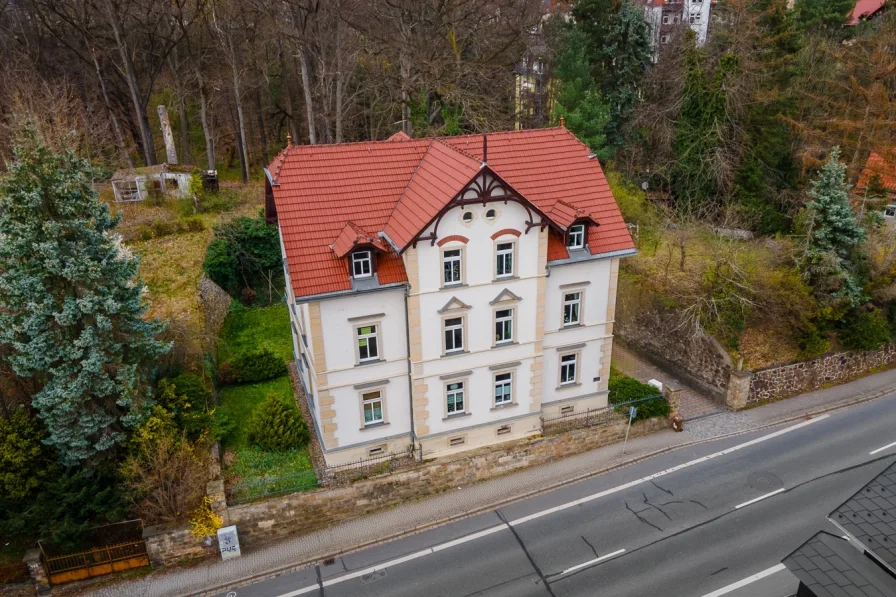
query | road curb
(276,572)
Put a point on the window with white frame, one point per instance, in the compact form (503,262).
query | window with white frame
(568,369)
(368,346)
(576,236)
(454,334)
(666,19)
(361,264)
(452,266)
(504,264)
(503,388)
(372,403)
(503,326)
(665,39)
(454,394)
(890,211)
(572,308)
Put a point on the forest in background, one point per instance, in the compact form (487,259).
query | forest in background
(237,76)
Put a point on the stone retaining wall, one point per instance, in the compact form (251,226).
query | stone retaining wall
(783,381)
(662,337)
(305,512)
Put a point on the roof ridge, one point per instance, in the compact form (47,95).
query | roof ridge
(441,141)
(405,189)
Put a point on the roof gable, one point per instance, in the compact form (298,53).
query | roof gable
(350,237)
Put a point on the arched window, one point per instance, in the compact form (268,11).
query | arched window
(490,214)
(468,216)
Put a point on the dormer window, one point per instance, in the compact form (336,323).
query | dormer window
(361,264)
(576,239)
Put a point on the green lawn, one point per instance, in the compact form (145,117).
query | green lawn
(241,401)
(247,329)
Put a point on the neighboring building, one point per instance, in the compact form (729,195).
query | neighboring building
(532,87)
(665,17)
(137,184)
(447,291)
(866,10)
(885,170)
(861,562)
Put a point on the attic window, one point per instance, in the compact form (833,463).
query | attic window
(576,238)
(468,217)
(361,263)
(490,214)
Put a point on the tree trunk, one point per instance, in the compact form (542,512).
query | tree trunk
(339,89)
(241,124)
(206,127)
(284,82)
(309,107)
(116,128)
(183,123)
(261,132)
(244,166)
(405,96)
(149,149)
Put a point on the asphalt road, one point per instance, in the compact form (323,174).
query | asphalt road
(689,523)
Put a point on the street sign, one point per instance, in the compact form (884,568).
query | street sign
(229,543)
(632,411)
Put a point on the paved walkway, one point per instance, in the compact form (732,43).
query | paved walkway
(694,404)
(413,516)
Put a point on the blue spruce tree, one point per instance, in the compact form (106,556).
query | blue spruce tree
(71,306)
(833,235)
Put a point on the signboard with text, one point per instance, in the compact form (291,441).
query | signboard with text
(229,543)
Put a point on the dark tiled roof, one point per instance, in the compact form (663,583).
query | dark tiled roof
(870,516)
(830,567)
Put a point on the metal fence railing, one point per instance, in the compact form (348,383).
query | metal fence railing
(593,416)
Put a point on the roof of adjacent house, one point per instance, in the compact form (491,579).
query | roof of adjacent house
(396,187)
(126,173)
(870,516)
(864,9)
(830,567)
(883,167)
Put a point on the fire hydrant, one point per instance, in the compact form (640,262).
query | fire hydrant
(678,422)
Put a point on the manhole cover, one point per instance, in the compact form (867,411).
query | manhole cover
(765,481)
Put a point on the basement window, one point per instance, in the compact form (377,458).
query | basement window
(567,410)
(503,429)
(457,441)
(377,451)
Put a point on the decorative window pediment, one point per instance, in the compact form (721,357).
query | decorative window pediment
(455,304)
(505,296)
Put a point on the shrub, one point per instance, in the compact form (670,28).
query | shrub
(625,389)
(162,228)
(143,232)
(248,296)
(188,400)
(812,342)
(224,425)
(225,375)
(192,224)
(203,520)
(276,427)
(864,330)
(220,264)
(258,365)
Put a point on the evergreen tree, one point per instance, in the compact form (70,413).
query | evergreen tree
(277,426)
(578,99)
(71,305)
(833,235)
(830,15)
(626,55)
(701,129)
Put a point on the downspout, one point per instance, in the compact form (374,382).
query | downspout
(407,333)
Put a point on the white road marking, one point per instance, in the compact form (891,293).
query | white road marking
(594,561)
(759,499)
(882,449)
(524,519)
(746,581)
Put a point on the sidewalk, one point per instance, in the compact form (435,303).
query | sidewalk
(694,404)
(297,552)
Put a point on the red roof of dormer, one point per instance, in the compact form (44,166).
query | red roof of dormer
(391,190)
(350,237)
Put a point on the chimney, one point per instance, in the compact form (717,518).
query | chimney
(170,150)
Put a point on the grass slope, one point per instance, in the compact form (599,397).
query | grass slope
(253,329)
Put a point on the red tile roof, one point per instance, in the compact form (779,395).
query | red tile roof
(398,186)
(886,169)
(351,236)
(864,9)
(556,247)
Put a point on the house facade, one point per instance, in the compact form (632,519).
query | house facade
(447,292)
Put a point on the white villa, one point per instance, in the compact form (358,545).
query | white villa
(447,292)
